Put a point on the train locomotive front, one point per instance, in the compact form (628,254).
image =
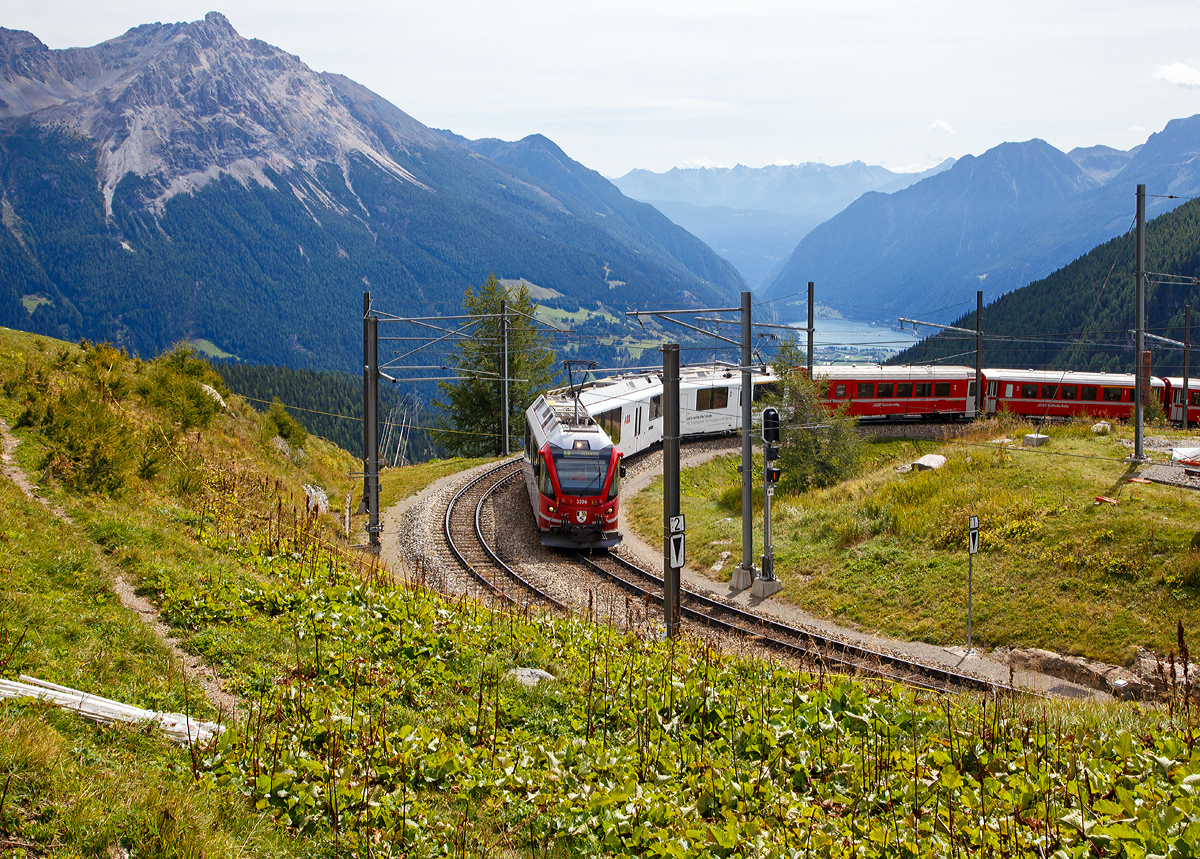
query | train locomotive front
(573,476)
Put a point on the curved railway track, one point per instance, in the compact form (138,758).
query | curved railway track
(468,515)
(824,651)
(464,530)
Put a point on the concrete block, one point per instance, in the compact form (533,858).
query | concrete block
(742,579)
(763,588)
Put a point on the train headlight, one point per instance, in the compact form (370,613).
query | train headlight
(608,512)
(550,508)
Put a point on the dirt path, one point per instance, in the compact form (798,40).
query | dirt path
(193,666)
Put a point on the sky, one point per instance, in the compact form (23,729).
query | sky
(656,84)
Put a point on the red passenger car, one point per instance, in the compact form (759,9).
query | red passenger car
(874,391)
(1063,393)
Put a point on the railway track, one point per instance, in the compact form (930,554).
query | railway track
(468,519)
(823,651)
(466,516)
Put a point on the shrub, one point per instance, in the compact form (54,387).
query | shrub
(88,448)
(816,449)
(285,426)
(174,382)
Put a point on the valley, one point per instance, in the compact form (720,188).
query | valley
(191,221)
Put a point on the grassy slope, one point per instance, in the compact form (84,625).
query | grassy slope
(78,789)
(887,551)
(379,721)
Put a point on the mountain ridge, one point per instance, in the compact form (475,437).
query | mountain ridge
(755,216)
(901,254)
(180,181)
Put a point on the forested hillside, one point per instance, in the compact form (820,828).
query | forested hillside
(1082,316)
(329,404)
(255,220)
(995,222)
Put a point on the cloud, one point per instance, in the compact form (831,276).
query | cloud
(1180,74)
(942,125)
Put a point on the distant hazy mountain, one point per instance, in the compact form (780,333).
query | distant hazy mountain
(1101,162)
(180,181)
(996,223)
(1088,308)
(641,225)
(754,216)
(758,243)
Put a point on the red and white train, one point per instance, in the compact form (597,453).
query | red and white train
(572,473)
(574,442)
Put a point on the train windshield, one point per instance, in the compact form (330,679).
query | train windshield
(581,472)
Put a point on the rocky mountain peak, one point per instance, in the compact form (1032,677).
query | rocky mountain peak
(182,104)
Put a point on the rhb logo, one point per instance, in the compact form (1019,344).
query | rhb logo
(580,516)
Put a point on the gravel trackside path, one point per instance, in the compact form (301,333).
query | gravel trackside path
(412,538)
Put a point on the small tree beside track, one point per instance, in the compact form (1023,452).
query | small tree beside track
(817,448)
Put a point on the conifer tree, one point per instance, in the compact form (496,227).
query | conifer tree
(468,410)
(816,448)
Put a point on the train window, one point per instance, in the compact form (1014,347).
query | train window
(921,389)
(1088,392)
(1112,395)
(941,389)
(1069,392)
(1029,392)
(885,390)
(610,422)
(581,472)
(904,389)
(765,389)
(971,389)
(712,398)
(1008,389)
(866,390)
(1049,392)
(545,484)
(616,483)
(656,406)
(837,390)
(1195,395)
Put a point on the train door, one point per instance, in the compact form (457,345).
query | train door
(1177,410)
(993,389)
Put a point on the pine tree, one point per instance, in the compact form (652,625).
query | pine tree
(816,448)
(468,421)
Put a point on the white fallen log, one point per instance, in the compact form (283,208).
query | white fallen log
(177,726)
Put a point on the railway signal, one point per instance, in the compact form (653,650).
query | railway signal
(766,584)
(770,426)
